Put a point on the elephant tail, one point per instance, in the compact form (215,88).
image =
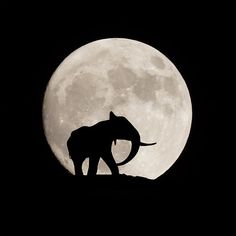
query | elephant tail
(70,147)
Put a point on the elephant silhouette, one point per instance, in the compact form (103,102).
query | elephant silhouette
(95,142)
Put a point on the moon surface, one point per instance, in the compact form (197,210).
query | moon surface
(132,79)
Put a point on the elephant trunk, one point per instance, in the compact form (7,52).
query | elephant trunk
(134,149)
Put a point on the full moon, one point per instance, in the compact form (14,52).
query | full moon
(133,80)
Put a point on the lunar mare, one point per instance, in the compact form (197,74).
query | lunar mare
(132,79)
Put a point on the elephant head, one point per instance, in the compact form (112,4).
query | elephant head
(126,131)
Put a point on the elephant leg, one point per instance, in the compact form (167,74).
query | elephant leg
(93,165)
(78,167)
(109,160)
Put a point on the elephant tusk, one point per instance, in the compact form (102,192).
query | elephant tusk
(146,144)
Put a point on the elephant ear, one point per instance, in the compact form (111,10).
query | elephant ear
(112,115)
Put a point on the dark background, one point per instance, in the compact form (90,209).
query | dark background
(197,38)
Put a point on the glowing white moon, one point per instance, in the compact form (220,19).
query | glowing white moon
(132,79)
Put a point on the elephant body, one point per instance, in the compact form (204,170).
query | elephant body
(95,142)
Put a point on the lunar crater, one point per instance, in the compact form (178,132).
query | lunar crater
(121,78)
(158,62)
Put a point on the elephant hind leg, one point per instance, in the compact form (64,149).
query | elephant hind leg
(78,168)
(93,165)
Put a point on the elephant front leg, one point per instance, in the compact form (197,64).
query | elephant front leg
(93,165)
(109,160)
